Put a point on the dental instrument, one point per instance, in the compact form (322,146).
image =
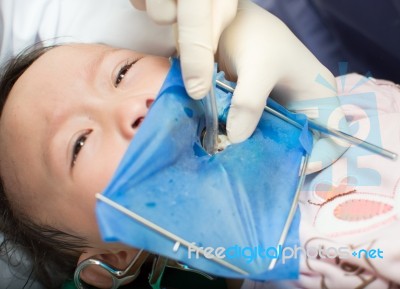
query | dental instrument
(118,277)
(132,271)
(168,234)
(211,126)
(330,131)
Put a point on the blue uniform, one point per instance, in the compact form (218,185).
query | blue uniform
(364,33)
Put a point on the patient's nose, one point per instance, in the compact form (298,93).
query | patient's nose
(129,115)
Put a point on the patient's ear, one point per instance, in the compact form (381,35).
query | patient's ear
(96,276)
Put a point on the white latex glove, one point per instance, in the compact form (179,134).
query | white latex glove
(261,53)
(199,24)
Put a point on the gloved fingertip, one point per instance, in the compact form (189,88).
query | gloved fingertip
(196,88)
(325,152)
(238,137)
(313,167)
(240,126)
(139,4)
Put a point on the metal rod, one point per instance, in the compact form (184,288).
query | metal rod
(293,208)
(168,234)
(330,131)
(211,115)
(353,140)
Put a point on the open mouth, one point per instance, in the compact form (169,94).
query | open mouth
(222,138)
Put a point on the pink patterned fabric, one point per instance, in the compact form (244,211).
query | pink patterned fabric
(353,205)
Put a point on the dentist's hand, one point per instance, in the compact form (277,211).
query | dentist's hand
(199,24)
(262,54)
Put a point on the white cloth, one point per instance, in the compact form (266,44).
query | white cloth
(354,203)
(114,22)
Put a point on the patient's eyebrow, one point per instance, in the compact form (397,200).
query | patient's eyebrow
(91,68)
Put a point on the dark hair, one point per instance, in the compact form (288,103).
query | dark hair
(53,254)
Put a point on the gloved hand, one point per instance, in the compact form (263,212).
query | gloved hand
(259,52)
(199,24)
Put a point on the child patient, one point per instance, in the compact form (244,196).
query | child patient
(66,123)
(70,112)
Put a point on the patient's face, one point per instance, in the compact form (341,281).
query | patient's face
(66,125)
